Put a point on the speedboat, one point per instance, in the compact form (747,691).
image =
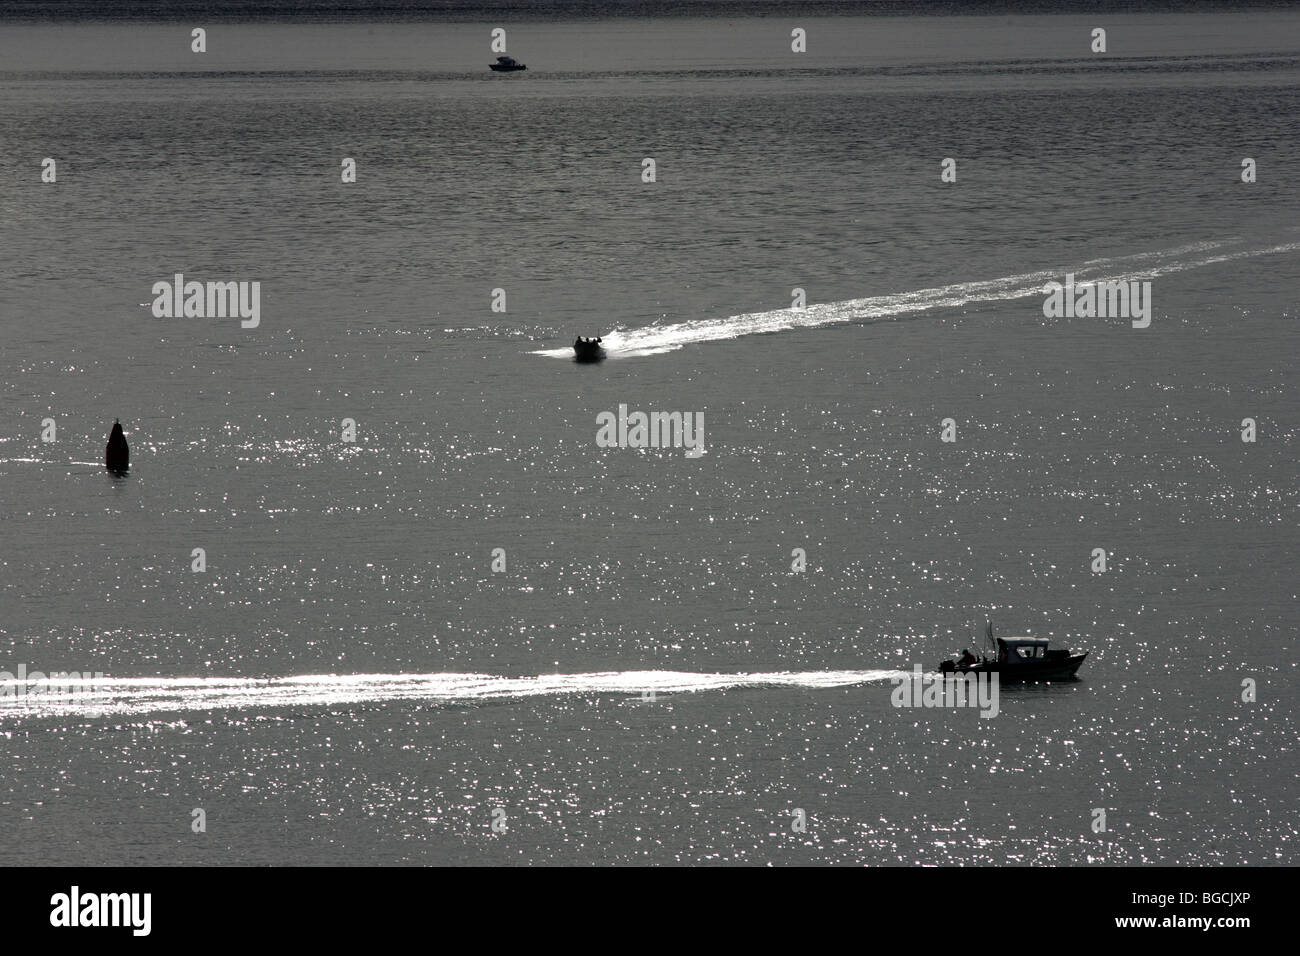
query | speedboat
(506,64)
(1019,660)
(588,350)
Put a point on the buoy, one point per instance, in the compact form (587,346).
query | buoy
(117,456)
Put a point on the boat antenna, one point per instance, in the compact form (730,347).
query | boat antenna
(988,635)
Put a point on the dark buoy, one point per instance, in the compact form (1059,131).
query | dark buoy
(117,457)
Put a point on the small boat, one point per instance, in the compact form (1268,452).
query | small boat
(117,456)
(1019,660)
(588,350)
(506,64)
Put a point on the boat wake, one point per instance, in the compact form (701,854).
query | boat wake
(666,338)
(95,696)
(42,461)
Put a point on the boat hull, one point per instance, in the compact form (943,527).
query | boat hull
(1023,672)
(588,353)
(498,68)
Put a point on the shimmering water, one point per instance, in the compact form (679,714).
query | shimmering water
(648,680)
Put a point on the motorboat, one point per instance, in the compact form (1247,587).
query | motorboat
(1019,660)
(588,350)
(506,64)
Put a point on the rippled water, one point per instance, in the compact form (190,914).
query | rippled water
(648,680)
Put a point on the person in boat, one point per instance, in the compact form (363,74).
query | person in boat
(967,658)
(599,340)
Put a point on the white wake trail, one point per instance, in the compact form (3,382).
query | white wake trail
(665,338)
(95,696)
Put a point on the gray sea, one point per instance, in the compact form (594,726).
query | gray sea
(643,673)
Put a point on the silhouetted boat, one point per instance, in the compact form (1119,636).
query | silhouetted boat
(117,456)
(1019,660)
(588,350)
(506,64)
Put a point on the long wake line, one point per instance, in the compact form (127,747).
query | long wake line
(92,696)
(665,338)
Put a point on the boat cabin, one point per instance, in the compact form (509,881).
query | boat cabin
(1015,650)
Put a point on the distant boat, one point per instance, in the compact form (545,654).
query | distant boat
(588,350)
(506,64)
(1019,660)
(117,456)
